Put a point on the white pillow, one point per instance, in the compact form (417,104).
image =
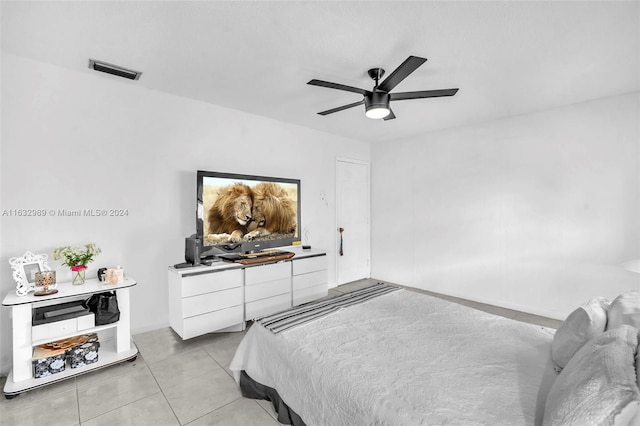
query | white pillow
(582,325)
(625,309)
(599,385)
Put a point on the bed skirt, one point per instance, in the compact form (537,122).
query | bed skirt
(254,390)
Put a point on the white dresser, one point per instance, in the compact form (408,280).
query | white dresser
(223,296)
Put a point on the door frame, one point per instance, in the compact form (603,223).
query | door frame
(337,225)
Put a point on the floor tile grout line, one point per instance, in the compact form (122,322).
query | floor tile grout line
(192,349)
(122,406)
(105,368)
(128,403)
(212,357)
(199,347)
(164,396)
(77,400)
(6,406)
(269,411)
(213,411)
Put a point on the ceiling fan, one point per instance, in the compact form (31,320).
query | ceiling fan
(376,101)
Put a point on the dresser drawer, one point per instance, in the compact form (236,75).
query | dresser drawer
(309,294)
(309,280)
(264,273)
(267,306)
(210,282)
(269,289)
(202,324)
(58,329)
(304,266)
(209,302)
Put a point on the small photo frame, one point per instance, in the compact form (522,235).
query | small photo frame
(24,271)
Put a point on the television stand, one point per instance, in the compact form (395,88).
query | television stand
(222,297)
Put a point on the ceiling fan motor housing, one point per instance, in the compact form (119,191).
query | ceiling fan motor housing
(376,100)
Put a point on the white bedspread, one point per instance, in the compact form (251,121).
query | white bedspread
(404,359)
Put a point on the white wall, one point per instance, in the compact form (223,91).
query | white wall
(534,212)
(81,140)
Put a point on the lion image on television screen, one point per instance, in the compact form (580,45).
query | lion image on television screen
(229,215)
(274,212)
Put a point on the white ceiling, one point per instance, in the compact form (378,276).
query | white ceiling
(507,58)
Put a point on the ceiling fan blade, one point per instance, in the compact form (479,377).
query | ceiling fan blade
(331,111)
(391,115)
(330,85)
(422,94)
(400,73)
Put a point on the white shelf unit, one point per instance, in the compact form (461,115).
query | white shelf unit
(116,344)
(259,289)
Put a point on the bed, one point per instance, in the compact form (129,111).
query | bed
(385,355)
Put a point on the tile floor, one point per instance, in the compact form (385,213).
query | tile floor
(172,382)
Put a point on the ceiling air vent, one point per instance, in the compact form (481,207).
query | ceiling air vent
(114,69)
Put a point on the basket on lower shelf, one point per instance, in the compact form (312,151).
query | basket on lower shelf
(86,353)
(50,358)
(48,361)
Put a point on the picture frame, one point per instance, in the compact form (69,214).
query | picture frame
(24,271)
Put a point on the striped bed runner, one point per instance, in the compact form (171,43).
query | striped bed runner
(303,314)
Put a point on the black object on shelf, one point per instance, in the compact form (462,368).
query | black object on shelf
(105,307)
(101,272)
(62,311)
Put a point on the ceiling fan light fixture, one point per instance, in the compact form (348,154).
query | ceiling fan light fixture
(377,112)
(377,105)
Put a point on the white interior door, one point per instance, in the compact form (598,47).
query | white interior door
(353,216)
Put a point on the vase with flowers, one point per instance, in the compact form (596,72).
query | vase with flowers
(76,259)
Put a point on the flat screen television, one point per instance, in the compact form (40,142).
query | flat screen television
(245,213)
